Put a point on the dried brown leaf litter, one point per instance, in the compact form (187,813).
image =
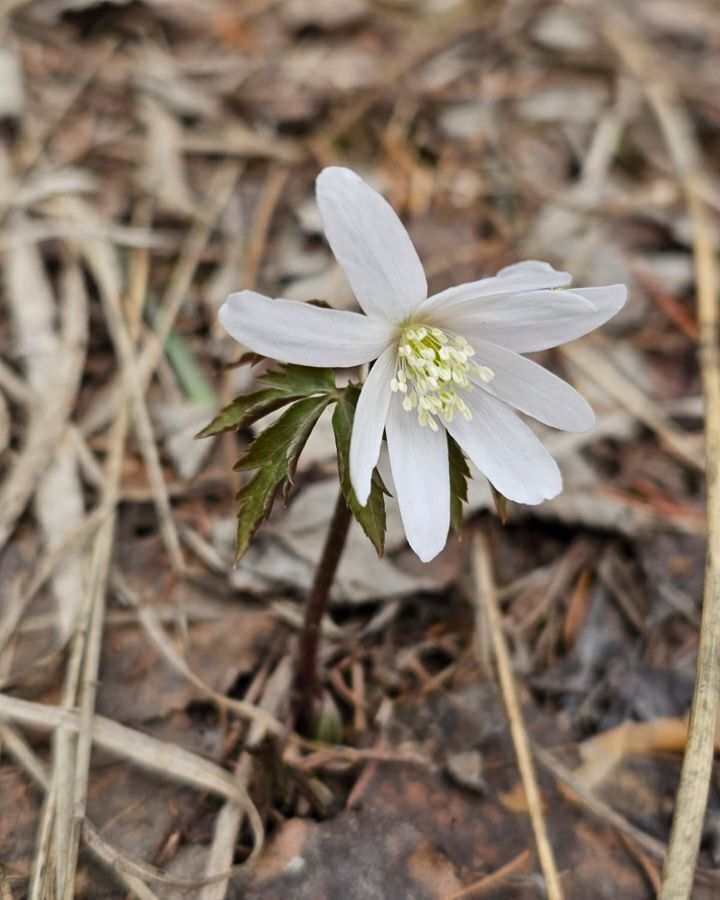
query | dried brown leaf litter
(154,157)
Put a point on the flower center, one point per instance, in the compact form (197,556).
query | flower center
(433,367)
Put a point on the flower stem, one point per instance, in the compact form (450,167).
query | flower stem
(306,686)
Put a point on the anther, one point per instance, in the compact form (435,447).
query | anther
(433,365)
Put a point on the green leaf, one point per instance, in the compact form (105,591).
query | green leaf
(300,381)
(274,453)
(328,728)
(195,385)
(371,516)
(245,410)
(459,475)
(286,383)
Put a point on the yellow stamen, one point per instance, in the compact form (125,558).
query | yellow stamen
(433,367)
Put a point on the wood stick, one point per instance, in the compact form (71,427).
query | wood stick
(486,599)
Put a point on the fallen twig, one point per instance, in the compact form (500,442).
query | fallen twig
(493,880)
(487,600)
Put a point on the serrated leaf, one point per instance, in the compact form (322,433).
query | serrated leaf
(245,410)
(279,439)
(255,501)
(300,381)
(459,475)
(371,517)
(286,383)
(274,453)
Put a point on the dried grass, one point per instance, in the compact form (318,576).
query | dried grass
(133,169)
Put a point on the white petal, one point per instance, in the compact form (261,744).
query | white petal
(371,244)
(369,424)
(532,389)
(300,333)
(608,301)
(535,320)
(530,275)
(419,462)
(534,274)
(506,451)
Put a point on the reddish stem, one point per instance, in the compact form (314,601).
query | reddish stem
(306,694)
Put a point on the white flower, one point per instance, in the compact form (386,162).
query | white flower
(450,362)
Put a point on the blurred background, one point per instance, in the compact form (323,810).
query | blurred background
(155,156)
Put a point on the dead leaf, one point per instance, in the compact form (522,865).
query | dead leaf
(19,808)
(137,684)
(163,174)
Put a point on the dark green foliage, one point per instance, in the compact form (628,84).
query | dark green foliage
(459,475)
(307,392)
(371,516)
(274,453)
(299,380)
(285,384)
(243,411)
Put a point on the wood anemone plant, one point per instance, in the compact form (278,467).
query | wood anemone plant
(447,374)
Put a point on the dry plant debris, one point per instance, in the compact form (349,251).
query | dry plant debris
(154,157)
